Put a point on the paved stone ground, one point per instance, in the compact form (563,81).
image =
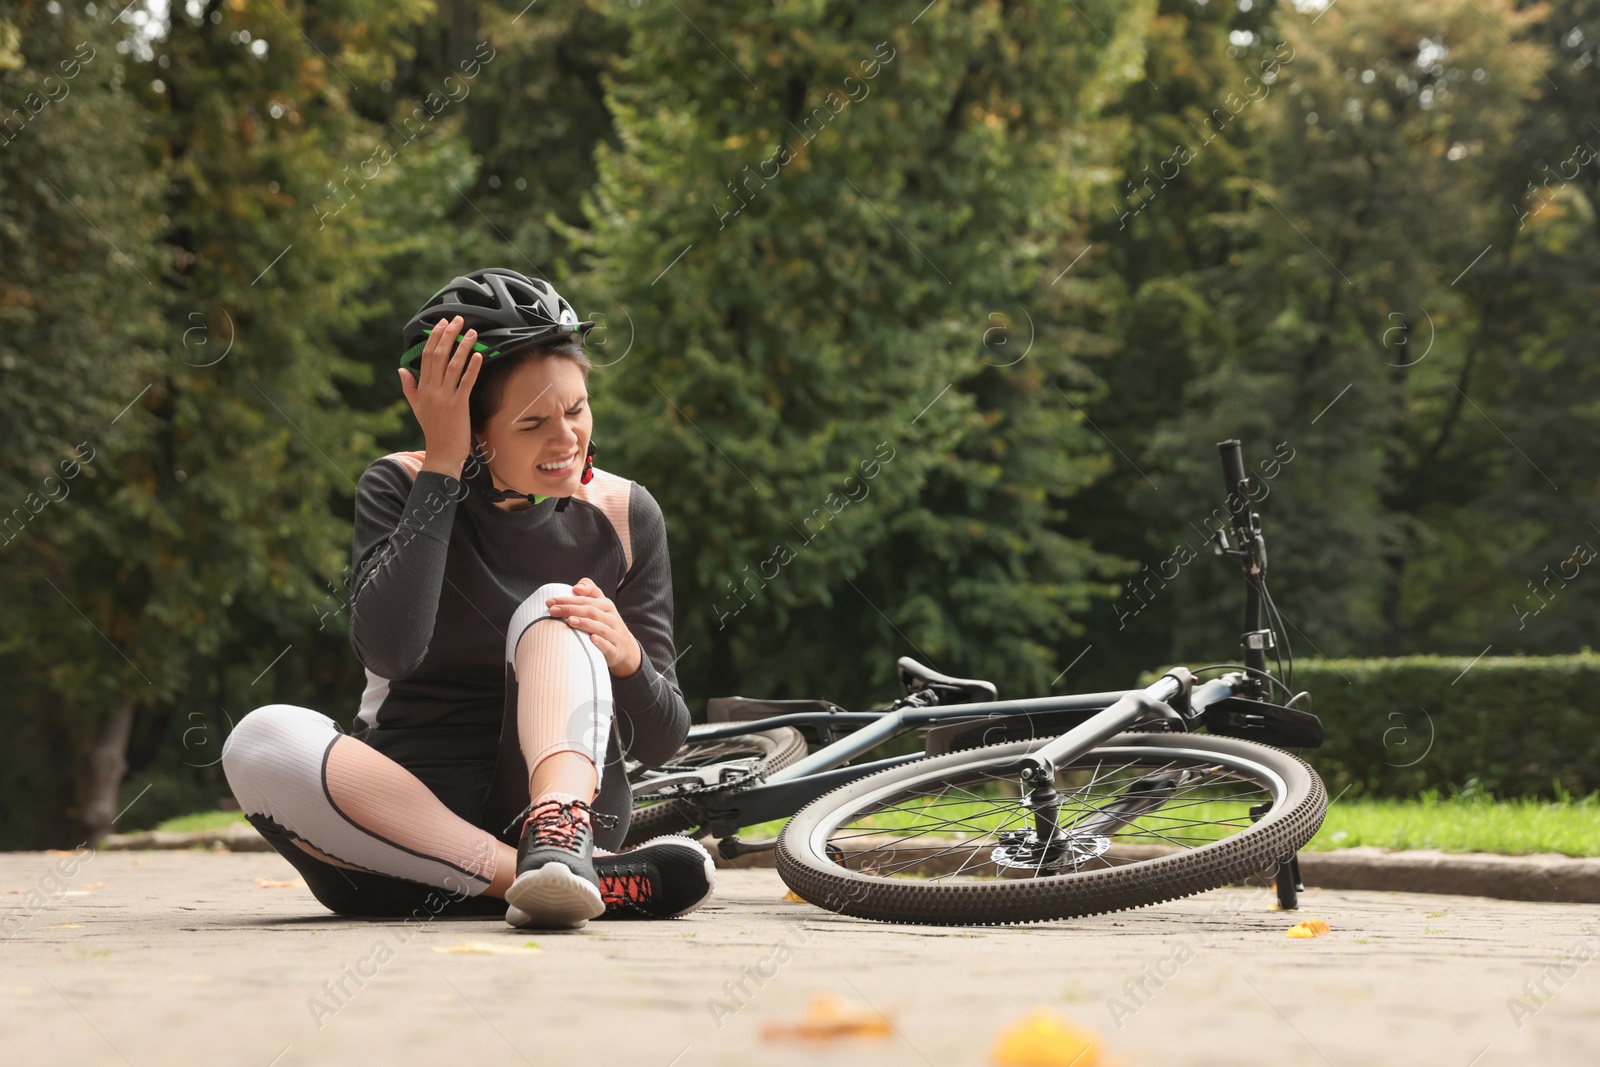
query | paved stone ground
(178,958)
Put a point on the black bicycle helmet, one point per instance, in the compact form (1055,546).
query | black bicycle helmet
(510,311)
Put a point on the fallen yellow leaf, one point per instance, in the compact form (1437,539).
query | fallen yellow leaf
(827,1018)
(791,895)
(1309,928)
(1044,1039)
(296,882)
(488,948)
(64,926)
(94,885)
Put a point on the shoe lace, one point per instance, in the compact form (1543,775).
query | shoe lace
(628,886)
(558,822)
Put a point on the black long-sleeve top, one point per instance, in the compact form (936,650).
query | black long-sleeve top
(438,571)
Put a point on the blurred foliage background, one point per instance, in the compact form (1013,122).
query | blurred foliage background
(921,322)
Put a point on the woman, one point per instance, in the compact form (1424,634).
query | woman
(512,607)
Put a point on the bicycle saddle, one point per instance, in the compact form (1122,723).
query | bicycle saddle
(914,676)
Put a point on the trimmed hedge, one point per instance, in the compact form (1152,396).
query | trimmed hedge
(1518,725)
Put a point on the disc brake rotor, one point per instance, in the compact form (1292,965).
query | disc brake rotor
(1023,849)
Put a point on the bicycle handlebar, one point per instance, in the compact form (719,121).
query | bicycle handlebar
(1236,483)
(1251,552)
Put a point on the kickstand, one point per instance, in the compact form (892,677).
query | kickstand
(1287,882)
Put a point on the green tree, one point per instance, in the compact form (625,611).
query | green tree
(1541,381)
(817,215)
(506,178)
(81,327)
(1287,288)
(1356,324)
(1180,133)
(207,550)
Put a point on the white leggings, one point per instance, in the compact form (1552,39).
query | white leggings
(356,806)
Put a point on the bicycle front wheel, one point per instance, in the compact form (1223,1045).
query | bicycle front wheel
(1142,819)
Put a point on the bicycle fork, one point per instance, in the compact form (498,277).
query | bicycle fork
(1046,846)
(1131,709)
(1049,845)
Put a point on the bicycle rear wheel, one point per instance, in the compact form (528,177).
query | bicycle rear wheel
(1143,819)
(760,751)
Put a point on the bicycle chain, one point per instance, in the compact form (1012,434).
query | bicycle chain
(731,778)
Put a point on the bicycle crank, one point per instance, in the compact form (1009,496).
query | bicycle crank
(672,782)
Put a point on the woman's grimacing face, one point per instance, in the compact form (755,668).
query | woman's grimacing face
(544,418)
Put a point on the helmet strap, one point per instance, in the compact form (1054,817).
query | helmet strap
(494,493)
(491,491)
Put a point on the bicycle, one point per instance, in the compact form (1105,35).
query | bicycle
(1018,810)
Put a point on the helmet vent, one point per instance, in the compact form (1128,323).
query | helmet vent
(509,310)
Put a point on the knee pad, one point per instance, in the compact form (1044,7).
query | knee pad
(589,722)
(530,611)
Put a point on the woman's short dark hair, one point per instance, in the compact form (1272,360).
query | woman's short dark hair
(489,391)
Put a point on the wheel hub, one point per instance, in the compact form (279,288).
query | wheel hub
(1023,849)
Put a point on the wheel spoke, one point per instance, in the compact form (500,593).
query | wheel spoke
(1141,820)
(1192,803)
(925,859)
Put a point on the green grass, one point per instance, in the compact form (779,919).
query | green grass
(1471,824)
(203,820)
(982,816)
(1474,824)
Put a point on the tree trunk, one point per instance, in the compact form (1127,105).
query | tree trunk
(58,822)
(101,777)
(460,30)
(1393,578)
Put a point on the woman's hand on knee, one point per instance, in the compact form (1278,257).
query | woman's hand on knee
(593,613)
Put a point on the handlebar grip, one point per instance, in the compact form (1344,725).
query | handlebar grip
(1236,482)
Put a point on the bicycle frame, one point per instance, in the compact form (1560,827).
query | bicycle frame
(1176,699)
(786,791)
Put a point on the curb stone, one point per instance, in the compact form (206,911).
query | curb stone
(239,838)
(1543,877)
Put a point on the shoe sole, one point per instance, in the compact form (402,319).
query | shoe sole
(711,867)
(552,896)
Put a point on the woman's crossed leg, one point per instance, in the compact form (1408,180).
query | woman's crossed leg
(373,839)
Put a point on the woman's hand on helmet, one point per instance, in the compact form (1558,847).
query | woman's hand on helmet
(592,612)
(438,394)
